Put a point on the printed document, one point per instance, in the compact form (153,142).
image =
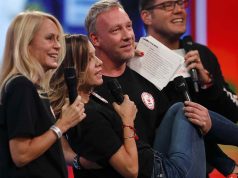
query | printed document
(159,63)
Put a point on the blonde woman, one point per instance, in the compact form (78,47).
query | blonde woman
(29,134)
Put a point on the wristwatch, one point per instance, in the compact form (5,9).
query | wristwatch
(76,162)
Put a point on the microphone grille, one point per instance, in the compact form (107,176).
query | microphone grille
(180,84)
(69,72)
(188,43)
(116,90)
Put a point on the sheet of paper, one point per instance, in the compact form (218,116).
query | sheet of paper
(182,71)
(159,63)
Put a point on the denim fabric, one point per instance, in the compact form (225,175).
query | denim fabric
(158,169)
(181,144)
(218,159)
(223,131)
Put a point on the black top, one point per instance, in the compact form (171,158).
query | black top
(26,113)
(101,137)
(151,105)
(219,97)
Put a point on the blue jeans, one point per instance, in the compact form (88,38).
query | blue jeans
(181,144)
(218,159)
(223,131)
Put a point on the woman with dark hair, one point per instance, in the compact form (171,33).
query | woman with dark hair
(107,136)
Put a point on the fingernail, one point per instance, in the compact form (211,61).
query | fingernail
(141,53)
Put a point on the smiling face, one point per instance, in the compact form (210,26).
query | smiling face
(94,69)
(166,24)
(45,45)
(114,38)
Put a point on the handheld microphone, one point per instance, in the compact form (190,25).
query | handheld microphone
(181,87)
(116,90)
(188,45)
(71,81)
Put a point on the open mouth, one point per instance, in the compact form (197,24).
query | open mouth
(177,20)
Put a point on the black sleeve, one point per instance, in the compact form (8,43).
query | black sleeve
(101,134)
(20,108)
(220,97)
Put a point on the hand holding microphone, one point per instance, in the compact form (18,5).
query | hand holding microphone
(196,113)
(73,112)
(194,64)
(125,108)
(189,46)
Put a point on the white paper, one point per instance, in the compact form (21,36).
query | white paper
(159,63)
(182,71)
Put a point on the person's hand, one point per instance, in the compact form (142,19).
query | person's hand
(198,115)
(126,110)
(71,114)
(193,61)
(138,53)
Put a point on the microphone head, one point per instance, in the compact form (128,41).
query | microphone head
(71,81)
(180,84)
(116,90)
(69,72)
(181,87)
(187,43)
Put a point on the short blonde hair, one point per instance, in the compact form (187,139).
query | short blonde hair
(16,57)
(96,9)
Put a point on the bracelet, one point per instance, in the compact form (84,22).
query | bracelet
(205,85)
(57,131)
(76,162)
(135,136)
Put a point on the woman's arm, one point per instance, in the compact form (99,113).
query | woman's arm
(125,160)
(25,150)
(70,155)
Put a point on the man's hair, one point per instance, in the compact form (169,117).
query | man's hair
(144,4)
(95,10)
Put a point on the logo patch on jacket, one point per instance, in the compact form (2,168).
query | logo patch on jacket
(148,100)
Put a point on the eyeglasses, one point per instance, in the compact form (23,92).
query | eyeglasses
(169,5)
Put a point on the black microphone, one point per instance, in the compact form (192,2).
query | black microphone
(116,90)
(188,45)
(71,81)
(181,87)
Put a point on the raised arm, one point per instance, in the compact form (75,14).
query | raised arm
(24,150)
(125,160)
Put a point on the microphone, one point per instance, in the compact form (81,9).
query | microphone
(71,81)
(188,45)
(181,87)
(116,90)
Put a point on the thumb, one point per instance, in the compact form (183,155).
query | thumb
(66,103)
(115,105)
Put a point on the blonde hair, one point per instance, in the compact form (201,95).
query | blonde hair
(97,9)
(16,57)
